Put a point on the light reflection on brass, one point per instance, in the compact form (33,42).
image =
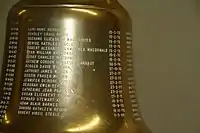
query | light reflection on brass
(7,121)
(85,11)
(67,83)
(95,121)
(21,12)
(69,25)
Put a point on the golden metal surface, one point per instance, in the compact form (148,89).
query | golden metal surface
(81,29)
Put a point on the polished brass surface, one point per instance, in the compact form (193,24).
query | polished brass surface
(68,69)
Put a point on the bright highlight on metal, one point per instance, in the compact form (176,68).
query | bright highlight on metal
(86,127)
(85,11)
(21,12)
(6,119)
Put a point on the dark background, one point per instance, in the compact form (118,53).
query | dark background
(167,64)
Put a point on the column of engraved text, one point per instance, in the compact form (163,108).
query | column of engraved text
(131,83)
(115,72)
(10,71)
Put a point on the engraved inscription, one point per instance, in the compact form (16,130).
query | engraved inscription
(51,62)
(131,83)
(10,73)
(115,74)
(55,63)
(39,94)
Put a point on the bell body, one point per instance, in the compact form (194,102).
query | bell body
(68,68)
